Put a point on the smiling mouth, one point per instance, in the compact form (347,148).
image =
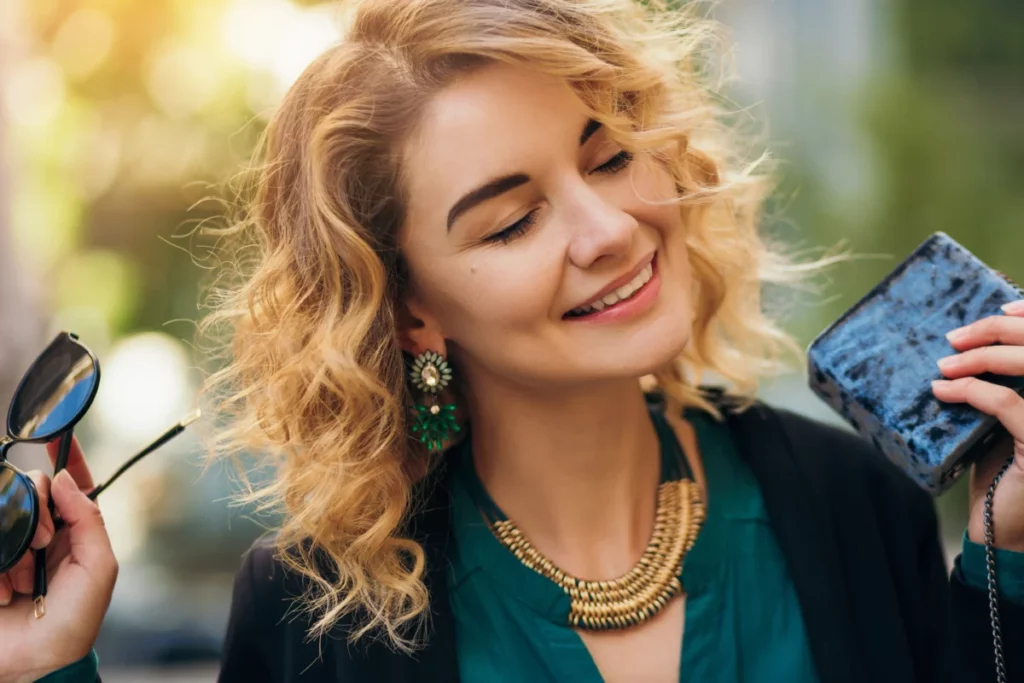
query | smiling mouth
(616,297)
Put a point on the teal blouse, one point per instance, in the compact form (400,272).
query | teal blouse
(743,621)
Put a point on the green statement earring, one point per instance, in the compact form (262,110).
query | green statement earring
(432,423)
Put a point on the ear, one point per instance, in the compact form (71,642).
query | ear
(418,329)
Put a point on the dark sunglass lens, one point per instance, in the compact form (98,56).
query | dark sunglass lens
(54,392)
(18,516)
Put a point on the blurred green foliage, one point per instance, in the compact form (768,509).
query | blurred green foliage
(946,127)
(980,40)
(156,119)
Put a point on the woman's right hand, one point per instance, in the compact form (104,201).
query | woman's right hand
(82,570)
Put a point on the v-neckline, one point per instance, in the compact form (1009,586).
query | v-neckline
(537,593)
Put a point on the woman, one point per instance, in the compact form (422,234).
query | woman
(533,202)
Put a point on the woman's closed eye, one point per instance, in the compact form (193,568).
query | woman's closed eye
(520,227)
(616,163)
(523,225)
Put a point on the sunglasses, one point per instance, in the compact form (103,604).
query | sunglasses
(51,398)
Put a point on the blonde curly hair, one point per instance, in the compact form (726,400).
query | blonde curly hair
(315,378)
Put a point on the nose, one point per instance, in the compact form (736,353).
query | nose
(601,230)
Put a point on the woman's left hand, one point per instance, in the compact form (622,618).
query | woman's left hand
(979,354)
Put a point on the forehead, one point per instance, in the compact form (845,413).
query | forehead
(497,120)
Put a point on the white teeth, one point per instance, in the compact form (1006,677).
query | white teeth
(621,294)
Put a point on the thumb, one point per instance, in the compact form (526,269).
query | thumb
(90,544)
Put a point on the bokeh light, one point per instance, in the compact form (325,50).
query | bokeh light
(277,36)
(113,290)
(83,42)
(34,93)
(182,78)
(145,388)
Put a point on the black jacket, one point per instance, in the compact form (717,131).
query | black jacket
(860,542)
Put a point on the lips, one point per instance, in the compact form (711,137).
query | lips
(618,291)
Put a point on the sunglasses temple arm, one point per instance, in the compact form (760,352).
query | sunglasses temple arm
(161,440)
(63,451)
(39,580)
(164,438)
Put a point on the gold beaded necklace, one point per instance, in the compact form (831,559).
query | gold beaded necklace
(644,590)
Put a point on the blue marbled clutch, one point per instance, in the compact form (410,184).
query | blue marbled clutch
(874,366)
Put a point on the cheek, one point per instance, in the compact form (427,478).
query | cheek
(652,204)
(668,221)
(497,295)
(677,255)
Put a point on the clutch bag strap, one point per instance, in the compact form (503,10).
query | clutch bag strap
(990,570)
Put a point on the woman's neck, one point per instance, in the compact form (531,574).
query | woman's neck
(576,471)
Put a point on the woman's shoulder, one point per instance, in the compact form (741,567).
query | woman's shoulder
(268,585)
(267,629)
(264,585)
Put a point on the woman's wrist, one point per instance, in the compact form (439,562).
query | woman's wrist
(976,534)
(1009,569)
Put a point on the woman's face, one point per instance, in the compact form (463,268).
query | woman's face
(532,254)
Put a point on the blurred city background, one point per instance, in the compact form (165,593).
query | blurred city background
(120,120)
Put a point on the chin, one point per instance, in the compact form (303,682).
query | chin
(645,351)
(651,355)
(662,339)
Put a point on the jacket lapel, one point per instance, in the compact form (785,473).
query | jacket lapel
(796,511)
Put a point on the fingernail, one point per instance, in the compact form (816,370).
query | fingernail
(45,536)
(63,479)
(1014,307)
(940,383)
(948,362)
(5,600)
(957,334)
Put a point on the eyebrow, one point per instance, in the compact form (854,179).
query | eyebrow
(502,185)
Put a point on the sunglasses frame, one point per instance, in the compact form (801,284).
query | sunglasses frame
(64,434)
(23,547)
(62,337)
